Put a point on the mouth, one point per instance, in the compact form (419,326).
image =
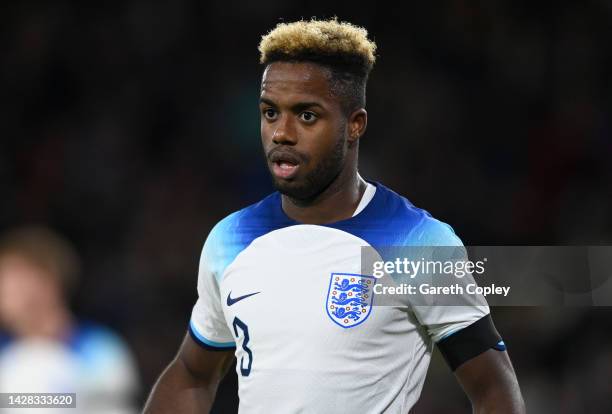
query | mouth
(284,170)
(285,165)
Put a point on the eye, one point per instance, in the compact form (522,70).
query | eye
(308,117)
(269,113)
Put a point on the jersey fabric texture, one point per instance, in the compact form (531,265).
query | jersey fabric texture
(264,289)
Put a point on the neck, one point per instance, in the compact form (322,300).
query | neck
(337,202)
(55,323)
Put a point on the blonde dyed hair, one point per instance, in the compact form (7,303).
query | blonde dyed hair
(318,37)
(342,48)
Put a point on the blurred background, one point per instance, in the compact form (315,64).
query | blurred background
(132,127)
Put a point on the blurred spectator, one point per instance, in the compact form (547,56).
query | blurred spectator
(45,347)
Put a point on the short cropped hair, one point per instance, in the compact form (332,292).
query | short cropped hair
(46,250)
(341,47)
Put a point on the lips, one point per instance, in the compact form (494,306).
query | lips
(285,164)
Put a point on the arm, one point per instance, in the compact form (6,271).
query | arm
(466,335)
(490,383)
(189,383)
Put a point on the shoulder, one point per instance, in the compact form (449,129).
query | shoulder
(106,357)
(93,340)
(236,231)
(433,232)
(250,220)
(5,340)
(413,225)
(248,223)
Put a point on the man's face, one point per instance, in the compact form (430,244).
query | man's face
(303,129)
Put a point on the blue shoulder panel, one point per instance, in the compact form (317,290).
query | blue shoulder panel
(235,232)
(388,220)
(392,220)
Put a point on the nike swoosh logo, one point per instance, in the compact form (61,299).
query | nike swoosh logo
(231,301)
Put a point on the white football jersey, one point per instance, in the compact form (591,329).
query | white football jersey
(280,292)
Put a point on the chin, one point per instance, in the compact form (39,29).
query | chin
(294,189)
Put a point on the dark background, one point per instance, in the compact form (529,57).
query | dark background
(133,127)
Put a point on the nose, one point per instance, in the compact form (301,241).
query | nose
(285,132)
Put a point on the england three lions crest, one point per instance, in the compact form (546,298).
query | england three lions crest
(349,298)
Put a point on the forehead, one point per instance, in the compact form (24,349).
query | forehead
(296,80)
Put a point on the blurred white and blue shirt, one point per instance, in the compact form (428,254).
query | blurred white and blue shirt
(93,363)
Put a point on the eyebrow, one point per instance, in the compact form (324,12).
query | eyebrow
(298,107)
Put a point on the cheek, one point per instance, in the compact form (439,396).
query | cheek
(324,139)
(16,293)
(266,133)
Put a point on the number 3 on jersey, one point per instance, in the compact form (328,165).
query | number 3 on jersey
(245,342)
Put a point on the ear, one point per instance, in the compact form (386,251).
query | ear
(357,123)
